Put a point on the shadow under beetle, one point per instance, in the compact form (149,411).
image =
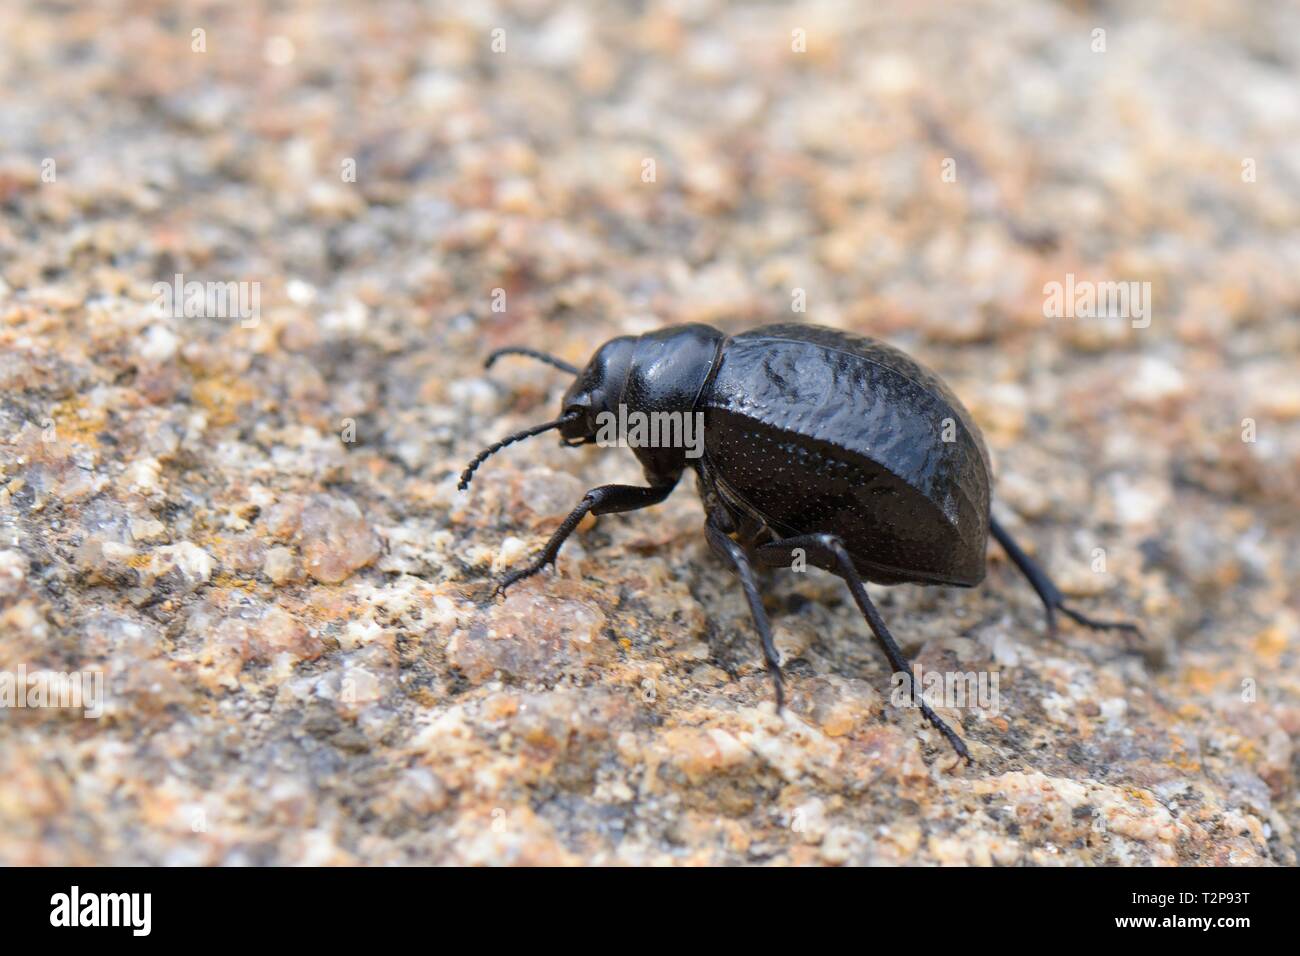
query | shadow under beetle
(816,441)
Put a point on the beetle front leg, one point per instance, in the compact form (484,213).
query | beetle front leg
(1051,596)
(827,551)
(606,499)
(731,552)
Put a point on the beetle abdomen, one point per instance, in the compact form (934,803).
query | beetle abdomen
(815,430)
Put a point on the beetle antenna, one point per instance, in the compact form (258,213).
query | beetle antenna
(495,447)
(562,365)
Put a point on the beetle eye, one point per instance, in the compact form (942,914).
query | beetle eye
(574,430)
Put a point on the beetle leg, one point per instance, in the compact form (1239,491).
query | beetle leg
(1051,596)
(731,552)
(828,551)
(606,499)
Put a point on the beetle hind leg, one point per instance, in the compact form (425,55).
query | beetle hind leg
(715,529)
(1051,596)
(828,552)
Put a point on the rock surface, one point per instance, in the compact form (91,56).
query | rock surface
(242,515)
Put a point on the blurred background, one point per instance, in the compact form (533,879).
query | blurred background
(245,518)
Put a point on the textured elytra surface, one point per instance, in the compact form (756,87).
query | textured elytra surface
(861,348)
(819,432)
(303,661)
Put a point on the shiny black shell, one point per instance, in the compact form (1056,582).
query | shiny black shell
(810,429)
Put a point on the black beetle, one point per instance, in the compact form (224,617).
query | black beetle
(815,442)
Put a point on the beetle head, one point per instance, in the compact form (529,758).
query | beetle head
(598,388)
(663,371)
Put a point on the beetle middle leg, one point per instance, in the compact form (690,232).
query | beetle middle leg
(828,552)
(605,499)
(717,529)
(1051,596)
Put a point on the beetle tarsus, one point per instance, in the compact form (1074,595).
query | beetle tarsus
(1132,631)
(1051,596)
(949,734)
(1095,624)
(514,577)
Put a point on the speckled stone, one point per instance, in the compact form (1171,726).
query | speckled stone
(247,524)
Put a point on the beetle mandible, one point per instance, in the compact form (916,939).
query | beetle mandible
(816,440)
